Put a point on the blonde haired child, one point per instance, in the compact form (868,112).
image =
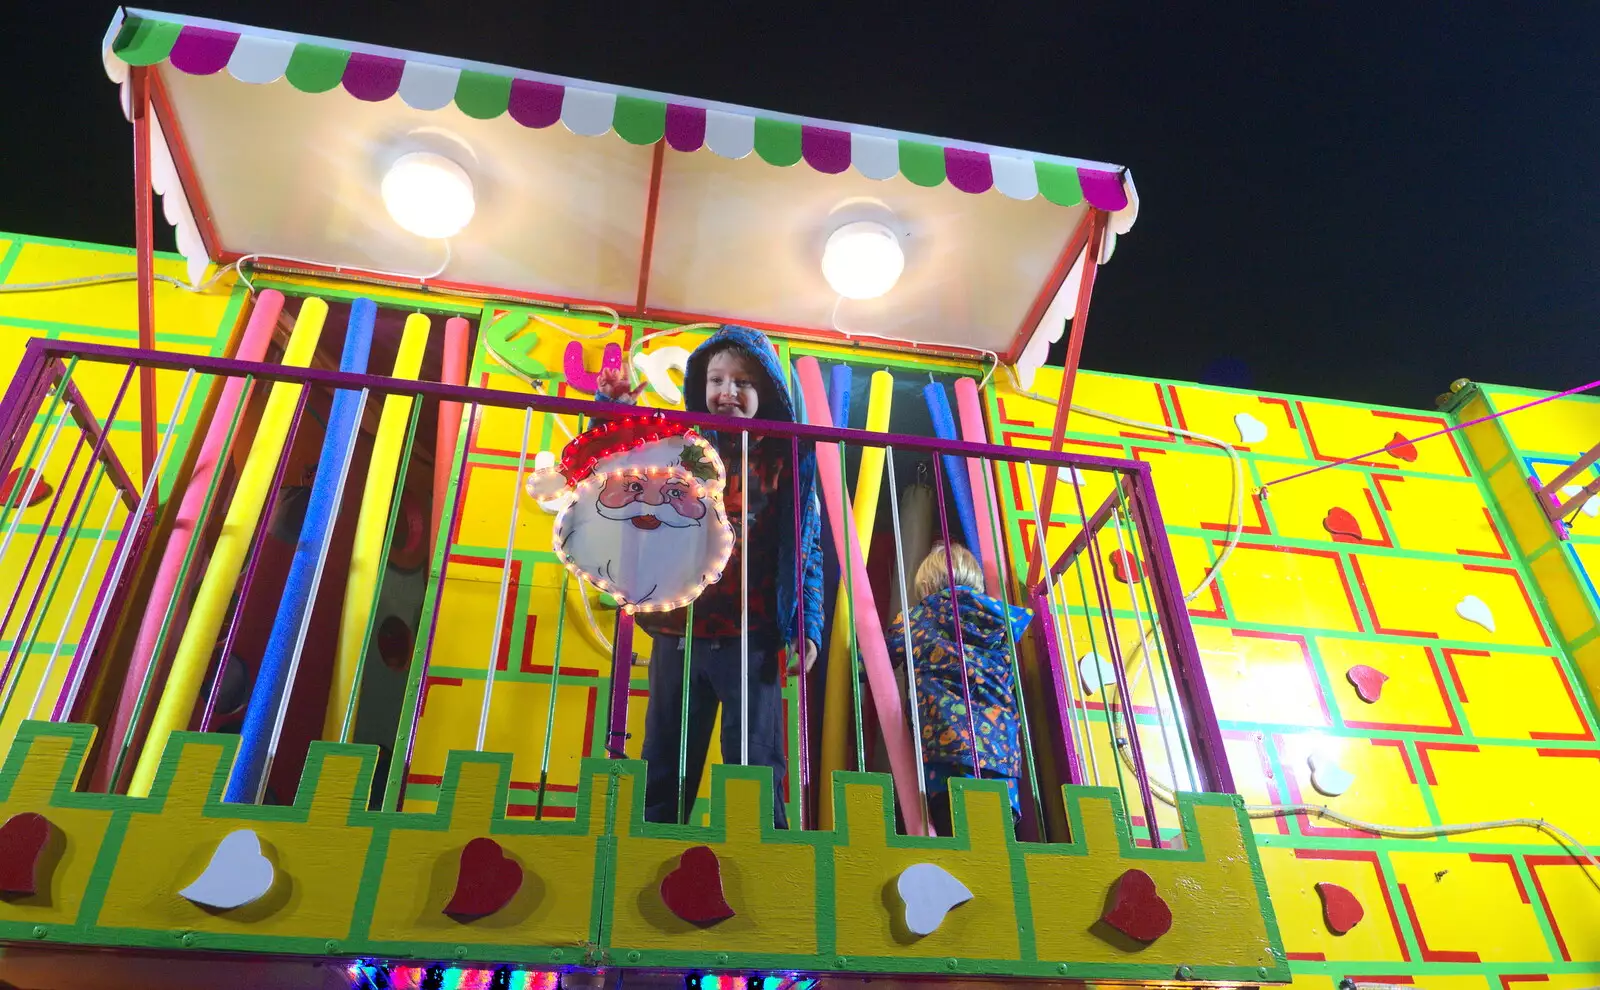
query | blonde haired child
(938,659)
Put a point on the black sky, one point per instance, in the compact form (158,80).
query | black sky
(1357,201)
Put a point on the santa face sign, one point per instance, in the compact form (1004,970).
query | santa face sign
(642,515)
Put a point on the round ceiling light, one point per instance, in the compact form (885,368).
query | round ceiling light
(428,194)
(862,260)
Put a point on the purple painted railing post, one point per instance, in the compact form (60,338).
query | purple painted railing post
(621,674)
(1184,652)
(21,403)
(1047,647)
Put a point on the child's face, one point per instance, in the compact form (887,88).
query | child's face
(731,388)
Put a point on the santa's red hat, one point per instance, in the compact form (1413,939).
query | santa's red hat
(588,452)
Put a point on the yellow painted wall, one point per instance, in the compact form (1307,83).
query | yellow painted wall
(186,322)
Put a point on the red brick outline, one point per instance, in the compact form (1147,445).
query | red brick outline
(1424,747)
(1367,856)
(1533,613)
(1432,955)
(1453,729)
(1534,862)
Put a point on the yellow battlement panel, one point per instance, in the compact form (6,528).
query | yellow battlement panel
(346,881)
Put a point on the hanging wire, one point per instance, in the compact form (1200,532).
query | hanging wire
(905,633)
(505,581)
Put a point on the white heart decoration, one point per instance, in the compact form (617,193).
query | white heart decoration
(929,892)
(1095,672)
(655,366)
(546,461)
(1251,430)
(237,874)
(1473,609)
(1591,505)
(1328,777)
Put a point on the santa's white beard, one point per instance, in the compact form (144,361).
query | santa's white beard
(640,567)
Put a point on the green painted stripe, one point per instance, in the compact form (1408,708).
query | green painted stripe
(778,141)
(13,250)
(1059,183)
(639,121)
(483,95)
(921,163)
(144,41)
(315,68)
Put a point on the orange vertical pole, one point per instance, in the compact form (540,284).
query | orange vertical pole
(1069,376)
(144,246)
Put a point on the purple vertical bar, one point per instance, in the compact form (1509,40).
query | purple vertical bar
(27,566)
(469,411)
(61,535)
(800,633)
(21,403)
(112,599)
(91,428)
(1204,731)
(1092,524)
(1048,647)
(621,673)
(1103,589)
(257,541)
(955,608)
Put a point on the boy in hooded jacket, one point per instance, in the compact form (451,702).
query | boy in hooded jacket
(735,373)
(937,662)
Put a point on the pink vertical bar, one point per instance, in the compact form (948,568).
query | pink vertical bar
(188,524)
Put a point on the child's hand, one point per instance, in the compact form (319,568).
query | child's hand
(811,659)
(613,384)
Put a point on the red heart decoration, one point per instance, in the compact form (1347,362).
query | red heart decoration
(1137,911)
(22,841)
(1340,909)
(1124,566)
(1400,447)
(487,881)
(1341,525)
(41,491)
(693,891)
(1368,681)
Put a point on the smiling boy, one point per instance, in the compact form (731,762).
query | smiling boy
(734,373)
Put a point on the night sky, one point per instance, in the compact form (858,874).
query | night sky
(1364,202)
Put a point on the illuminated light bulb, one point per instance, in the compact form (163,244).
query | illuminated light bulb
(428,195)
(862,260)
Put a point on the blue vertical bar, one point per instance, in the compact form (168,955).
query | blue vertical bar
(271,680)
(955,468)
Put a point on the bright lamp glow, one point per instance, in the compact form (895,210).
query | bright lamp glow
(862,260)
(428,194)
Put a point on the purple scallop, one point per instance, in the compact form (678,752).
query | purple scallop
(968,171)
(372,78)
(825,149)
(201,51)
(1103,189)
(534,103)
(686,127)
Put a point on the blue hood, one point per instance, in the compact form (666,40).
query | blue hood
(775,403)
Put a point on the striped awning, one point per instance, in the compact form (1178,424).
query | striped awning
(426,82)
(736,234)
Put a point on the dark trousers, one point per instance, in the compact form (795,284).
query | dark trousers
(713,677)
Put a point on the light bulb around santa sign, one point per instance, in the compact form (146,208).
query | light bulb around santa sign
(641,513)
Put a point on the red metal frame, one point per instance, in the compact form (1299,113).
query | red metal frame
(144,246)
(640,302)
(1052,285)
(1069,376)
